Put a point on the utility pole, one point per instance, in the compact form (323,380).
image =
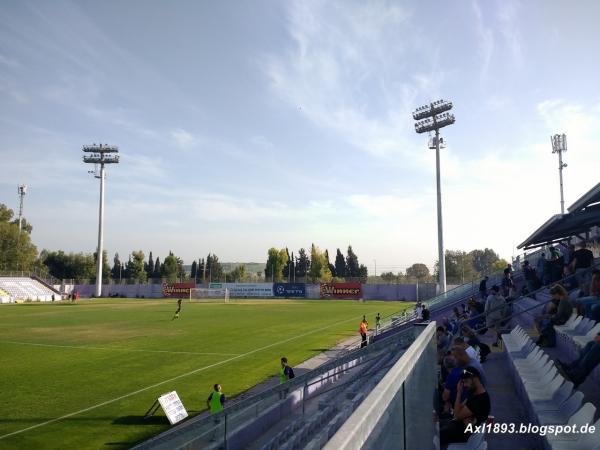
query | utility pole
(429,118)
(559,145)
(100,154)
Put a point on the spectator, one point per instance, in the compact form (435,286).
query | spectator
(425,313)
(557,263)
(463,360)
(507,284)
(362,329)
(474,410)
(495,307)
(474,342)
(215,403)
(569,280)
(419,310)
(450,383)
(584,305)
(588,359)
(540,267)
(377,323)
(483,288)
(509,267)
(557,313)
(460,342)
(583,259)
(443,341)
(531,281)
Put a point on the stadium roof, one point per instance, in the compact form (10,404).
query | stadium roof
(583,215)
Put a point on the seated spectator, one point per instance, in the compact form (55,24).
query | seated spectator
(588,359)
(463,360)
(474,342)
(460,342)
(443,341)
(419,310)
(584,305)
(464,313)
(569,279)
(495,307)
(474,410)
(475,320)
(557,313)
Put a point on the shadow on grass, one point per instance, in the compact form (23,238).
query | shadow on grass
(139,420)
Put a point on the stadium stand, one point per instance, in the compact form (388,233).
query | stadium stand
(22,288)
(4,297)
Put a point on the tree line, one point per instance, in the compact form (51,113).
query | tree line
(313,267)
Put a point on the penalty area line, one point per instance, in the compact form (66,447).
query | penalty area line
(84,347)
(183,375)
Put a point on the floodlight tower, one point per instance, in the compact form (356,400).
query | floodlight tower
(429,118)
(22,190)
(100,154)
(559,145)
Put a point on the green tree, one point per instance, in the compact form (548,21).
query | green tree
(78,266)
(388,277)
(331,266)
(214,269)
(116,271)
(194,271)
(418,271)
(351,264)
(459,267)
(363,273)
(157,272)
(170,268)
(483,260)
(149,267)
(238,274)
(319,269)
(499,265)
(303,265)
(135,267)
(17,252)
(286,268)
(276,263)
(340,264)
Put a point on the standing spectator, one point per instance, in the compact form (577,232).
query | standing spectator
(583,259)
(509,267)
(285,373)
(425,313)
(531,281)
(377,323)
(495,307)
(557,263)
(483,288)
(569,280)
(540,268)
(507,284)
(557,313)
(215,403)
(362,329)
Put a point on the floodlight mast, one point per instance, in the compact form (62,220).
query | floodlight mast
(22,190)
(559,145)
(100,154)
(429,118)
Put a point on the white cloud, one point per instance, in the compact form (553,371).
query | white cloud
(183,138)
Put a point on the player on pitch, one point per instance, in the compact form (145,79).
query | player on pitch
(176,316)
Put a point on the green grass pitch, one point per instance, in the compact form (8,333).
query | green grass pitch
(102,363)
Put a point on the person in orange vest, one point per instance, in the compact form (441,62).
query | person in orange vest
(363,331)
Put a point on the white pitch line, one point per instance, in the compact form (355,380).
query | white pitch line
(66,416)
(84,347)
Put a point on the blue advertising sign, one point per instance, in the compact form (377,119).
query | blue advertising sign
(290,290)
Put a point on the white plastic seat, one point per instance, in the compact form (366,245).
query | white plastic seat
(568,323)
(584,416)
(546,391)
(562,415)
(587,441)
(567,326)
(559,397)
(583,340)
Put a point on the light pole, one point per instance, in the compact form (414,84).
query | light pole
(559,145)
(429,118)
(22,190)
(375,261)
(100,154)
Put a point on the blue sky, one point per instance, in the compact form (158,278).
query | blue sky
(246,125)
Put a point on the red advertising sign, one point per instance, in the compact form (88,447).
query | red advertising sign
(341,290)
(177,289)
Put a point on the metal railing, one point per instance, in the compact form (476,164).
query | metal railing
(244,409)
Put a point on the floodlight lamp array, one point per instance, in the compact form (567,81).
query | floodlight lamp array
(437,107)
(100,148)
(101,159)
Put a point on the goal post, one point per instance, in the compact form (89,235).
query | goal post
(209,294)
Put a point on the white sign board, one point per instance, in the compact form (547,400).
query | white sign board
(172,406)
(256,290)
